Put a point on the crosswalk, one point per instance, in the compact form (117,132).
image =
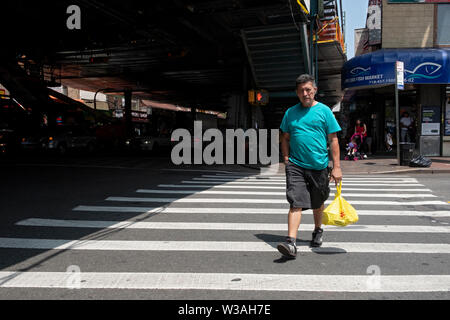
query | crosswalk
(220,215)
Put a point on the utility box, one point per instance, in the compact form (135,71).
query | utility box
(430,145)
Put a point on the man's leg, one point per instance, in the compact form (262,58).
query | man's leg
(369,144)
(294,219)
(319,194)
(403,135)
(289,248)
(298,197)
(317,236)
(318,214)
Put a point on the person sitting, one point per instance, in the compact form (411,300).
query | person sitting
(352,149)
(388,140)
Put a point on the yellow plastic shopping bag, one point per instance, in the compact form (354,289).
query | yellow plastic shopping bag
(339,212)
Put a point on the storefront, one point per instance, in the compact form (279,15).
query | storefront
(369,82)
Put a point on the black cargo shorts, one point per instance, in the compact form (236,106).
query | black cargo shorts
(305,188)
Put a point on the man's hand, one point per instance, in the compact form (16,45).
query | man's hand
(336,175)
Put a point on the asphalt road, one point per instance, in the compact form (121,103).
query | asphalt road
(187,246)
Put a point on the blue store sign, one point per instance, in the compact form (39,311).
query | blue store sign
(421,66)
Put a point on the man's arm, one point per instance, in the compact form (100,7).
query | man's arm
(285,137)
(336,173)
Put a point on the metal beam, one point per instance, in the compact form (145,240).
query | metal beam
(250,62)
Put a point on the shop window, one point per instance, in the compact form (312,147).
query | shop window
(443,24)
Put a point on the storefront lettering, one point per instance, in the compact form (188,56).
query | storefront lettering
(378,77)
(374,77)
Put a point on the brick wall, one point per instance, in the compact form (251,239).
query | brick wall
(407,25)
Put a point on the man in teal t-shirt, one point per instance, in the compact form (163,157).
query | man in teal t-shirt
(306,128)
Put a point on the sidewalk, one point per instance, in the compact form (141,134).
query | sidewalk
(377,164)
(384,165)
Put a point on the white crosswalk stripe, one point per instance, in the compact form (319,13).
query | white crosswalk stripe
(236,196)
(280,183)
(265,193)
(219,180)
(244,211)
(214,187)
(227,281)
(263,201)
(221,226)
(223,246)
(261,178)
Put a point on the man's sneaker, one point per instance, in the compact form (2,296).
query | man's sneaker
(288,248)
(317,237)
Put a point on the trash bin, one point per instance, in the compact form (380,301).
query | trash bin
(406,152)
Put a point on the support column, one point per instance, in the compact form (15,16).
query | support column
(246,105)
(194,116)
(127,113)
(305,47)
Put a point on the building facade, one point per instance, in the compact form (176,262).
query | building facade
(416,33)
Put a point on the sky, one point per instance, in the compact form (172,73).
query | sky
(355,18)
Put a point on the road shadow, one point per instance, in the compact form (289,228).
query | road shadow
(328,250)
(76,188)
(273,240)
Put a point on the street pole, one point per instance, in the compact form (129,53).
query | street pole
(397,120)
(399,84)
(311,45)
(128,116)
(95,96)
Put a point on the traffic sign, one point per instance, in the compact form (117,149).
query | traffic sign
(400,69)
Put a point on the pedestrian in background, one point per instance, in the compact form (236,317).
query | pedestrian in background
(406,125)
(360,130)
(306,127)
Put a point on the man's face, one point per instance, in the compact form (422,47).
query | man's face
(306,93)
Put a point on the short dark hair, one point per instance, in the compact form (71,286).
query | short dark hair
(304,78)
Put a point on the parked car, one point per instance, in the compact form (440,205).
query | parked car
(34,139)
(148,143)
(68,138)
(111,136)
(9,141)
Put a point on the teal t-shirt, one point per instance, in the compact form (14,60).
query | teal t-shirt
(309,129)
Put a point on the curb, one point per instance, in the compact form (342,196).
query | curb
(432,171)
(406,171)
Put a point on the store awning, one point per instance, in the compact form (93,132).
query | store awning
(375,69)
